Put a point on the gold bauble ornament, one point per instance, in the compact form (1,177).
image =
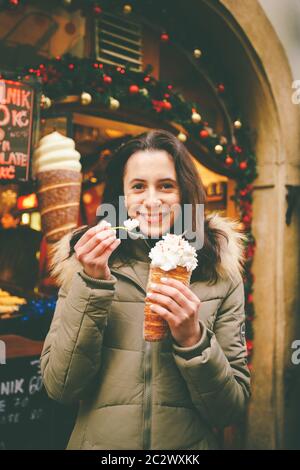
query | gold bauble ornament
(237,124)
(182,137)
(113,103)
(127,9)
(196,118)
(144,91)
(197,53)
(45,102)
(218,149)
(85,98)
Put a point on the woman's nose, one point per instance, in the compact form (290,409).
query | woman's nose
(152,200)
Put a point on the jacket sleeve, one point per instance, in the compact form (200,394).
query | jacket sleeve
(215,369)
(71,354)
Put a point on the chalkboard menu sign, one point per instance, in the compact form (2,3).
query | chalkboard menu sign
(17,104)
(25,409)
(29,419)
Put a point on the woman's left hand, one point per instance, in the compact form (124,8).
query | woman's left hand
(179,306)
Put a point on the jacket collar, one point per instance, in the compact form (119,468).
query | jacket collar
(140,249)
(232,256)
(138,269)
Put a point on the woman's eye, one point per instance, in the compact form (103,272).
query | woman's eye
(163,185)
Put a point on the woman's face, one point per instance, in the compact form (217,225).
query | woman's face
(151,190)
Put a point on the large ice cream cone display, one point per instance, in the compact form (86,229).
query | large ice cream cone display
(171,257)
(58,173)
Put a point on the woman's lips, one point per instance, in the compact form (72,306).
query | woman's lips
(153,218)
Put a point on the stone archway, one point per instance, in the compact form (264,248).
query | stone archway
(256,55)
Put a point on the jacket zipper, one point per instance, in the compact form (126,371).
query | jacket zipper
(147,405)
(147,396)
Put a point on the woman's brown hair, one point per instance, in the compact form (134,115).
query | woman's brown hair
(191,189)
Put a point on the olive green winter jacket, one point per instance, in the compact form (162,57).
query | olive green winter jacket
(135,394)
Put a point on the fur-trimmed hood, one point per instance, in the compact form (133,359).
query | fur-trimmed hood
(232,255)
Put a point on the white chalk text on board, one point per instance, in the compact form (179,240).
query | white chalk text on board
(2,352)
(16,110)
(21,397)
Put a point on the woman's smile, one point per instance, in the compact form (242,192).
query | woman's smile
(152,218)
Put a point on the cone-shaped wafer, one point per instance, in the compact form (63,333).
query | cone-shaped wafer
(59,199)
(155,327)
(58,172)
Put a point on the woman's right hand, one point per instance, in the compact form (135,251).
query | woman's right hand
(95,247)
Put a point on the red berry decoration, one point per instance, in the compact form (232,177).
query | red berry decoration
(97,10)
(71,66)
(247,219)
(133,89)
(229,160)
(167,105)
(221,88)
(164,37)
(243,165)
(204,134)
(157,105)
(107,79)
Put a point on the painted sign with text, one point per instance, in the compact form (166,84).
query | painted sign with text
(24,405)
(16,126)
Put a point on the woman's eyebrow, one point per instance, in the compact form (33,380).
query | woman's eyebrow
(162,179)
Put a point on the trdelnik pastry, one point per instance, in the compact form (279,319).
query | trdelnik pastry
(173,251)
(57,169)
(172,257)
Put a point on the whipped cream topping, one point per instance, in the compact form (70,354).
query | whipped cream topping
(131,224)
(173,251)
(56,152)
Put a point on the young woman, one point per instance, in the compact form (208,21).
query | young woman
(133,394)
